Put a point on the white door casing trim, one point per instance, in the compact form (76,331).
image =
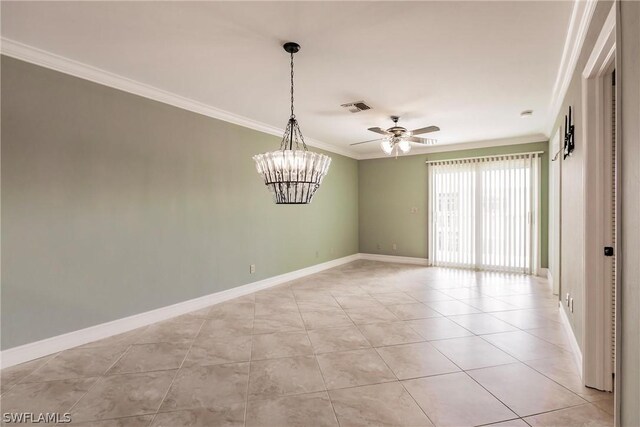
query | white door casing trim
(555,212)
(597,363)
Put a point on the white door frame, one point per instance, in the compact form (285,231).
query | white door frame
(597,360)
(555,212)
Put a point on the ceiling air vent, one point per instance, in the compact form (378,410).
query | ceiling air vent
(356,107)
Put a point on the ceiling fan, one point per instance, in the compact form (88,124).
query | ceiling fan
(397,138)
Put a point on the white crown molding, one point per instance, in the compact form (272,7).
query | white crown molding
(74,68)
(578,26)
(604,49)
(575,348)
(34,350)
(527,139)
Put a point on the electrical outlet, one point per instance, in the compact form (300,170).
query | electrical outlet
(571,305)
(317,254)
(379,246)
(252,269)
(394,247)
(414,210)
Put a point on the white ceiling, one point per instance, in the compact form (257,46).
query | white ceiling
(468,67)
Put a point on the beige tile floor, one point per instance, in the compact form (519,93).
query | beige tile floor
(364,344)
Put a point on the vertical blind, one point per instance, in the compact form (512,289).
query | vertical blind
(484,213)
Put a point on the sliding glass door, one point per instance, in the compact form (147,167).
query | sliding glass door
(484,213)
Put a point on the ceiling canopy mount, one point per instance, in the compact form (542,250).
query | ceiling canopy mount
(291,47)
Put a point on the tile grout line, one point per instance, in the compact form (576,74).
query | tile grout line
(177,371)
(523,363)
(326,390)
(557,410)
(473,379)
(39,367)
(359,328)
(99,378)
(25,376)
(494,396)
(315,357)
(405,388)
(246,397)
(556,382)
(462,370)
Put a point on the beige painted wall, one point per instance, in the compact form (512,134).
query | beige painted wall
(113,204)
(390,187)
(573,203)
(628,45)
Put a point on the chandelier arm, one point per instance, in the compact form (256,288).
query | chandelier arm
(292,132)
(286,138)
(299,138)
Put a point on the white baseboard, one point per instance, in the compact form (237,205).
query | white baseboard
(543,272)
(395,259)
(575,348)
(34,350)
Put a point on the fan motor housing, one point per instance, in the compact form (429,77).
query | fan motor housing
(397,130)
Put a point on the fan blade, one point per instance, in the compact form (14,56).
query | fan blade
(424,130)
(426,141)
(380,131)
(364,142)
(415,139)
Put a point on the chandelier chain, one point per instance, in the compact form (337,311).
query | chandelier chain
(292,137)
(292,114)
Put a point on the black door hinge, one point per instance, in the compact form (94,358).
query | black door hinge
(608,251)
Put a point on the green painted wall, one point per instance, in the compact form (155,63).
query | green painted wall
(113,204)
(572,219)
(390,187)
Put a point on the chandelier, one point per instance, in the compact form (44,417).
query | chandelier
(292,173)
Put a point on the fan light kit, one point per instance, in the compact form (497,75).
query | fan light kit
(292,173)
(398,139)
